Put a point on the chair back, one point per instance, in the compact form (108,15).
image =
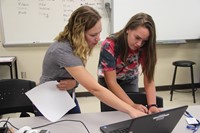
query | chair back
(139,98)
(13,98)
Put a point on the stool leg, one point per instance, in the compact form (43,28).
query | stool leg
(11,72)
(192,80)
(16,72)
(173,82)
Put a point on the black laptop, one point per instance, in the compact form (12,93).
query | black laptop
(162,122)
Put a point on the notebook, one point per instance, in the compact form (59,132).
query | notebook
(162,122)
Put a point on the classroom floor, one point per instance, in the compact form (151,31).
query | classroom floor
(92,104)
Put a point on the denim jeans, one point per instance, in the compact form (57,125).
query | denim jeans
(130,85)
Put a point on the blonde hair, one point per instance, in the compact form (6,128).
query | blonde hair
(81,20)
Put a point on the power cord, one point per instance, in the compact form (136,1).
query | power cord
(63,121)
(45,125)
(5,128)
(5,125)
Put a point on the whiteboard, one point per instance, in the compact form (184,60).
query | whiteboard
(174,19)
(40,21)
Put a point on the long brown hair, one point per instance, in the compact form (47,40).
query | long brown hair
(145,20)
(81,20)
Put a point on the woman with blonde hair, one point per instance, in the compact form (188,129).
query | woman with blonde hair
(65,60)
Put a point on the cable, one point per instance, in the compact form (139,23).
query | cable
(5,124)
(48,124)
(62,121)
(10,124)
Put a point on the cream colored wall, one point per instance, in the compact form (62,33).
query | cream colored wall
(172,52)
(30,61)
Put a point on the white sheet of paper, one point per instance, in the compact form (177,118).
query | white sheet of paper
(50,101)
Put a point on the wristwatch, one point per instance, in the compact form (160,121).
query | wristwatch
(152,105)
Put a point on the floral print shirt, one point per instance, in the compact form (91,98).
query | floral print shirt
(109,62)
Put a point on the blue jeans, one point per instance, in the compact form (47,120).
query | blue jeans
(130,85)
(75,110)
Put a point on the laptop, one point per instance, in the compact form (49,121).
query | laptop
(162,122)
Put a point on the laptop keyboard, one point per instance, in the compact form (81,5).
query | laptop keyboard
(120,127)
(120,130)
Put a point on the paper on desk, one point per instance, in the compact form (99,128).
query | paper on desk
(50,101)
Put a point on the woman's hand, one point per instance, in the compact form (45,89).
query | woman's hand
(140,107)
(153,109)
(136,113)
(66,84)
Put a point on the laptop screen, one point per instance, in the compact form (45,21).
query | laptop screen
(162,122)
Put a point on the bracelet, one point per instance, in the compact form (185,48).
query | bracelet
(152,105)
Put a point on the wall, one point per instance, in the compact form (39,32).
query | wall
(169,53)
(30,61)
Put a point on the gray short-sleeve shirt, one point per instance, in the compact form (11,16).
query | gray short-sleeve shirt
(58,56)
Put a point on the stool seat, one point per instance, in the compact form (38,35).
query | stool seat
(183,63)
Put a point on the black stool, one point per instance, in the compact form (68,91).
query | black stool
(183,63)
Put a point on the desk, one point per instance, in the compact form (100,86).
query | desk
(10,61)
(93,121)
